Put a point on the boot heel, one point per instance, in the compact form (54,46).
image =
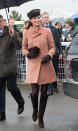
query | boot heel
(40,122)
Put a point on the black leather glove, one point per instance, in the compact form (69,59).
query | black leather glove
(45,59)
(33,52)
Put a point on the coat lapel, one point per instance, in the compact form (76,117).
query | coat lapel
(35,32)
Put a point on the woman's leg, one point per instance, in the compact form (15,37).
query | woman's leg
(34,100)
(43,102)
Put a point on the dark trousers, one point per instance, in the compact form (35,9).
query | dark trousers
(55,61)
(10,82)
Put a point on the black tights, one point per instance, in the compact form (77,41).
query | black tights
(35,89)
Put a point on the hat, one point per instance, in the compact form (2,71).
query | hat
(69,20)
(33,13)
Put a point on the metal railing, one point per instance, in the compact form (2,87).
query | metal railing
(21,77)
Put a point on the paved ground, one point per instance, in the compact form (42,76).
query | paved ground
(61,114)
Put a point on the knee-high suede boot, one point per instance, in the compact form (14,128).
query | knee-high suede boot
(42,106)
(34,100)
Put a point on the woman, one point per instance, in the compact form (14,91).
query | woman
(38,46)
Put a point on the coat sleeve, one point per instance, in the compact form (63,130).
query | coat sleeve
(17,41)
(51,44)
(58,41)
(25,44)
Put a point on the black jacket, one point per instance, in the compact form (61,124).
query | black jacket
(57,39)
(8,59)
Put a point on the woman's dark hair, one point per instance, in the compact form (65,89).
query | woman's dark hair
(29,24)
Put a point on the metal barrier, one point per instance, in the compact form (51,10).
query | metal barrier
(22,65)
(62,63)
(61,72)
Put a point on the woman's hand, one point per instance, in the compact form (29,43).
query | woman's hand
(45,59)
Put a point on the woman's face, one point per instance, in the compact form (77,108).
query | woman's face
(36,21)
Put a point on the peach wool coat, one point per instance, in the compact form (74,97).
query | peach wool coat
(37,72)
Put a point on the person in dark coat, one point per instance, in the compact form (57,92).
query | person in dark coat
(9,41)
(58,54)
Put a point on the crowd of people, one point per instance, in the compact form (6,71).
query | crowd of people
(40,42)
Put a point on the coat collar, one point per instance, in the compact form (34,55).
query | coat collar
(35,32)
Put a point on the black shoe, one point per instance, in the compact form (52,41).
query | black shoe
(50,92)
(20,107)
(2,116)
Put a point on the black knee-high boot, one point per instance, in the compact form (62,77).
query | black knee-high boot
(34,100)
(42,106)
